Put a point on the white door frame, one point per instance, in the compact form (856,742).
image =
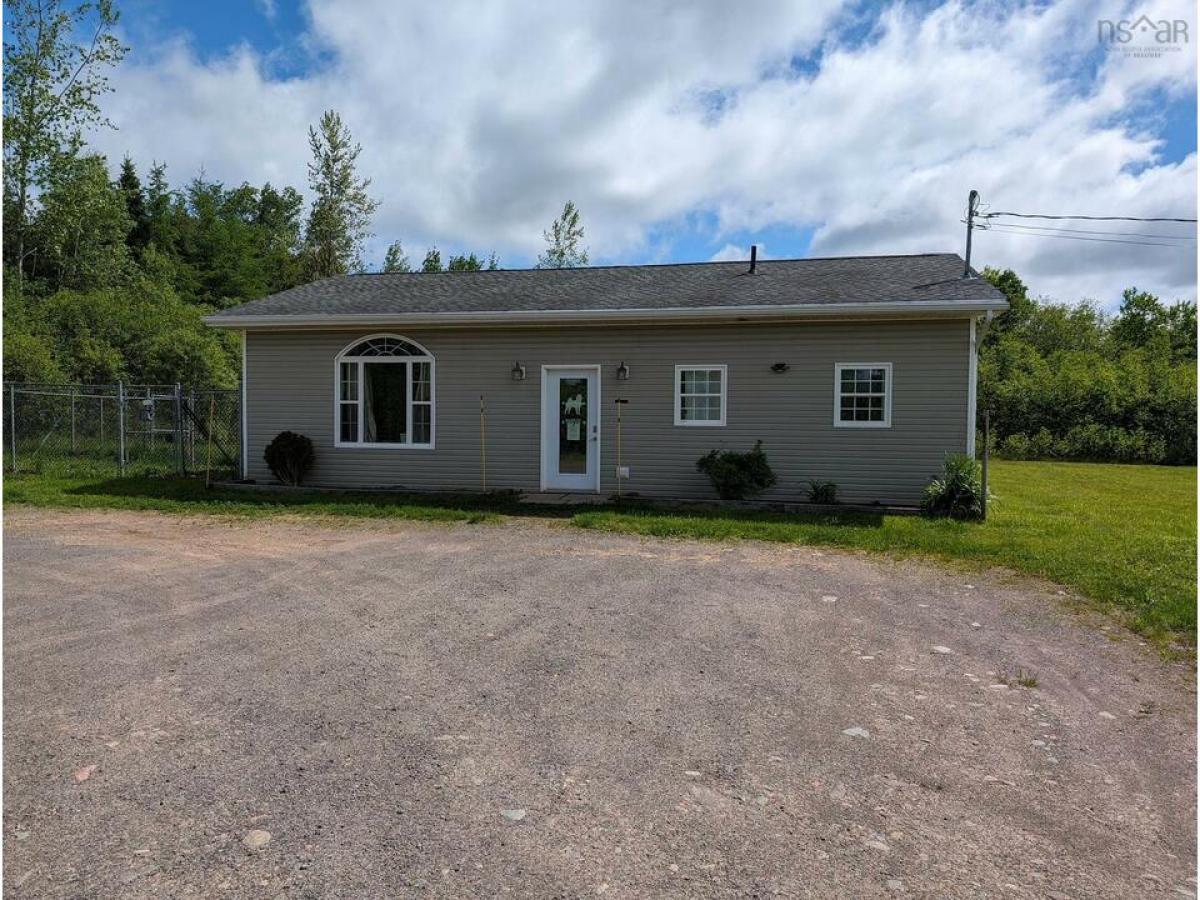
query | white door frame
(593,410)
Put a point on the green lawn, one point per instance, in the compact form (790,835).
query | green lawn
(1123,536)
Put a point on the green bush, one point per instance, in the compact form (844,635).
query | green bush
(1089,441)
(28,358)
(958,493)
(822,492)
(289,456)
(737,476)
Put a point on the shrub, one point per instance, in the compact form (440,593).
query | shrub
(737,476)
(822,492)
(958,493)
(1088,441)
(289,457)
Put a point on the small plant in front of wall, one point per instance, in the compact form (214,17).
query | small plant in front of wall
(958,492)
(737,476)
(822,492)
(289,456)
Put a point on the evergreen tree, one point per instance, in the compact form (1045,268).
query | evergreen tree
(562,242)
(396,260)
(135,204)
(277,224)
(340,218)
(160,212)
(432,261)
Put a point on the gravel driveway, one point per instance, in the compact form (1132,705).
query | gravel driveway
(193,707)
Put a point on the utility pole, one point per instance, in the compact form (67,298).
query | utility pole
(972,209)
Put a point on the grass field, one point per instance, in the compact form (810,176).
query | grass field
(1122,536)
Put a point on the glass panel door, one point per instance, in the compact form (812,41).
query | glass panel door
(570,429)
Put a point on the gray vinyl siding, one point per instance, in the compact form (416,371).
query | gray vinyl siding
(290,385)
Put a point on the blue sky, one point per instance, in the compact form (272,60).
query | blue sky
(824,128)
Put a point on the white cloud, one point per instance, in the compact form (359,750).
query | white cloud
(477,122)
(735,253)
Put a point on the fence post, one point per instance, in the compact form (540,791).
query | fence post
(191,428)
(984,504)
(212,411)
(72,419)
(181,463)
(12,405)
(121,425)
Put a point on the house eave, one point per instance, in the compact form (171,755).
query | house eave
(559,317)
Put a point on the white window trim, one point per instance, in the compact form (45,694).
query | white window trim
(837,395)
(678,394)
(972,379)
(547,419)
(361,361)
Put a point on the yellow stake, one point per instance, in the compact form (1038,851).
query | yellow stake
(482,443)
(620,403)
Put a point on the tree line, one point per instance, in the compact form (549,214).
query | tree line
(108,279)
(1069,381)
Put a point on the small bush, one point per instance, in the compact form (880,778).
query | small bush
(289,456)
(822,492)
(737,476)
(958,493)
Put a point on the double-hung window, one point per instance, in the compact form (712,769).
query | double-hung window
(862,395)
(384,394)
(700,395)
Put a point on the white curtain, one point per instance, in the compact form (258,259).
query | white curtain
(368,390)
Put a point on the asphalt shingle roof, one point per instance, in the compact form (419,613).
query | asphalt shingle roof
(790,282)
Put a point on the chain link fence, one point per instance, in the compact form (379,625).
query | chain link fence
(120,429)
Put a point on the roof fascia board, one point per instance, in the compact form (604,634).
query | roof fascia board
(777,312)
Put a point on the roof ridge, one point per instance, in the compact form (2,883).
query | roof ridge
(669,265)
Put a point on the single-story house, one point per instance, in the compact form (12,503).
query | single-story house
(857,370)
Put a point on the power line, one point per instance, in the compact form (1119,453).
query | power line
(1084,231)
(1089,218)
(1072,237)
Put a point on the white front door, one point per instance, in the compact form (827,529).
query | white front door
(571,428)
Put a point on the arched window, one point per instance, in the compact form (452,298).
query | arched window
(384,394)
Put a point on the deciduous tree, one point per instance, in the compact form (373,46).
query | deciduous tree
(340,218)
(563,250)
(56,62)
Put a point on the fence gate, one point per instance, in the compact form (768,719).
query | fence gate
(113,429)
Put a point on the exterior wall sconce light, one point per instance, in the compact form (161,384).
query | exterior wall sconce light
(622,372)
(780,368)
(518,372)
